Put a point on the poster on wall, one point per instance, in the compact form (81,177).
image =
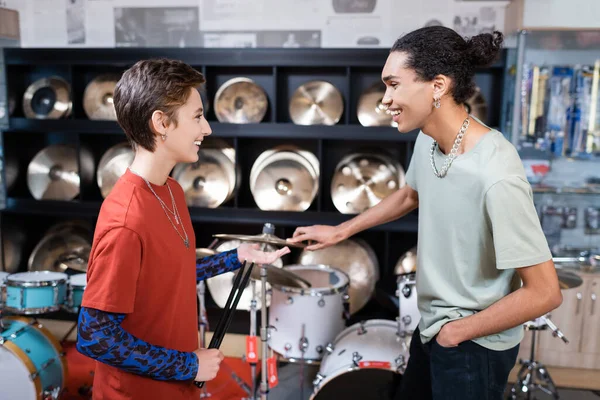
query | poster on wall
(285,39)
(76,21)
(473,18)
(157,27)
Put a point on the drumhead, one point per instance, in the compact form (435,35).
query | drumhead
(78,280)
(3,276)
(36,277)
(322,278)
(14,377)
(359,385)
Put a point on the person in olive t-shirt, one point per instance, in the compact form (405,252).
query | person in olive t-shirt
(483,265)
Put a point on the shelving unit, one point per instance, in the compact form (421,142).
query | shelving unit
(279,72)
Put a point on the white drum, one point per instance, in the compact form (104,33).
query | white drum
(366,361)
(407,299)
(305,320)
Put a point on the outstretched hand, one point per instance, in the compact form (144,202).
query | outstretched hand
(323,235)
(252,253)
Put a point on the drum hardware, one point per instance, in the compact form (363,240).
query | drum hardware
(533,375)
(316,103)
(48,98)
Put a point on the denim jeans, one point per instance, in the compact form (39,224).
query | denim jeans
(466,372)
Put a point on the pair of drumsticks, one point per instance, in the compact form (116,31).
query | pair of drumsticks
(239,284)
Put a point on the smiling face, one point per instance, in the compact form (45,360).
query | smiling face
(409,99)
(184,137)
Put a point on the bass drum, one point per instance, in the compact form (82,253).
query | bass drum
(366,361)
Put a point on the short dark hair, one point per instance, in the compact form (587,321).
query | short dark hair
(150,85)
(438,50)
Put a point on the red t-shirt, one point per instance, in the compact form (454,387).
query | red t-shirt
(140,266)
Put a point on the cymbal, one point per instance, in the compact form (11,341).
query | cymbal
(280,277)
(567,279)
(362,180)
(477,106)
(316,103)
(75,259)
(113,165)
(407,263)
(285,179)
(370,110)
(13,240)
(204,252)
(355,258)
(261,238)
(11,169)
(240,101)
(209,182)
(49,252)
(98,97)
(48,98)
(53,174)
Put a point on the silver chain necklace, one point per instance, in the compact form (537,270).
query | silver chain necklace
(175,211)
(448,161)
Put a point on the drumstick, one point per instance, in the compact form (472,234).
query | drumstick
(226,318)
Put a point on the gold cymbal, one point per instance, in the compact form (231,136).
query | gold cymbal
(261,238)
(49,253)
(113,165)
(354,257)
(370,110)
(362,180)
(212,180)
(204,252)
(240,101)
(54,173)
(568,279)
(477,106)
(280,277)
(48,98)
(285,179)
(98,97)
(75,259)
(316,103)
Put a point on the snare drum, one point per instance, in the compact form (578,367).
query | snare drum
(305,320)
(77,284)
(32,363)
(36,292)
(407,299)
(3,276)
(364,362)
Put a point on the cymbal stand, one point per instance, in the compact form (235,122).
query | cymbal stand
(264,385)
(253,333)
(532,370)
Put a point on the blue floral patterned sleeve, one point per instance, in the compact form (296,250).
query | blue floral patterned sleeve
(210,266)
(101,337)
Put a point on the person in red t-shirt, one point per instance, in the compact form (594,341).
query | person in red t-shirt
(139,317)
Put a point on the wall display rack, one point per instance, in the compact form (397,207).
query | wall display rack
(279,72)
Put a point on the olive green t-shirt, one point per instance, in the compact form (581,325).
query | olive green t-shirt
(476,225)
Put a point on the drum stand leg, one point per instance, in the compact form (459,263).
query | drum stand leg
(264,385)
(253,333)
(533,375)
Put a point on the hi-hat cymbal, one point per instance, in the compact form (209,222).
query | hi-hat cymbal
(316,103)
(285,179)
(355,258)
(371,112)
(48,98)
(362,180)
(280,277)
(477,106)
(209,182)
(261,238)
(98,98)
(53,174)
(240,101)
(407,263)
(567,279)
(113,165)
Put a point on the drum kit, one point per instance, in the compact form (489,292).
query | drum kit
(304,322)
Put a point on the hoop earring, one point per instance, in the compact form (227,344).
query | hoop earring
(436,103)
